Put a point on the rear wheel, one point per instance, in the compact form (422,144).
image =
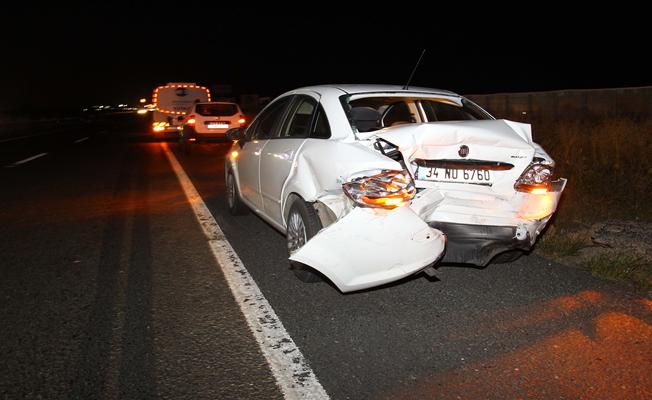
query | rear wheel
(233,201)
(302,224)
(507,257)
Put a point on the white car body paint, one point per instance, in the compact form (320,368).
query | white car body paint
(361,247)
(369,248)
(324,165)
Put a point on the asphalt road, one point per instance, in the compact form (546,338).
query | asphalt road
(109,290)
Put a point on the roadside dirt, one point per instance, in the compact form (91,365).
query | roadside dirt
(614,249)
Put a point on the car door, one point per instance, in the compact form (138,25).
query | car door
(257,136)
(280,152)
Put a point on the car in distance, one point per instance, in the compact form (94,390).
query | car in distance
(211,120)
(374,183)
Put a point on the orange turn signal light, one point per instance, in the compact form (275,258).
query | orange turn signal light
(386,202)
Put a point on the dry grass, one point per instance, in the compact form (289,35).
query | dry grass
(560,244)
(608,162)
(621,266)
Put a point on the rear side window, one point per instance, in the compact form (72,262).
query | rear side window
(267,123)
(299,122)
(322,129)
(216,110)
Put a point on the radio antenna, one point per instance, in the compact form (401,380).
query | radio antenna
(407,85)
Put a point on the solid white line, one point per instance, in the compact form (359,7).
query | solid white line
(293,375)
(81,140)
(29,159)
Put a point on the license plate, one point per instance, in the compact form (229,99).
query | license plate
(217,125)
(477,176)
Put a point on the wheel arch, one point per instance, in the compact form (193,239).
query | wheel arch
(290,199)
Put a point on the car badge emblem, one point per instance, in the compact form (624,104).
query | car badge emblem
(464,151)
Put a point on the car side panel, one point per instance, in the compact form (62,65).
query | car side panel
(322,166)
(276,162)
(248,172)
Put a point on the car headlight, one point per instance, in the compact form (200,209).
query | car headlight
(386,189)
(536,176)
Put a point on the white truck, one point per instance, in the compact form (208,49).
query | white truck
(172,101)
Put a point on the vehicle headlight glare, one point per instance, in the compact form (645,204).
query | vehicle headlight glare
(386,189)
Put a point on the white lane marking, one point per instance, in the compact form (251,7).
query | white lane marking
(293,375)
(28,159)
(81,140)
(56,131)
(16,138)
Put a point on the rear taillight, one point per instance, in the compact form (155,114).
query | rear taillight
(190,120)
(241,119)
(535,176)
(386,189)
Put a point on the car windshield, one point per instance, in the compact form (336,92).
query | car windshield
(372,113)
(216,110)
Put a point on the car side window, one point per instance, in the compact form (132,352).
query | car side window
(299,121)
(321,129)
(267,123)
(249,132)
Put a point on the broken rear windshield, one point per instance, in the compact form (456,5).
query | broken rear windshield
(216,110)
(376,112)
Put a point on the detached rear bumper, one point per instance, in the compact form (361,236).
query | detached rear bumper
(368,248)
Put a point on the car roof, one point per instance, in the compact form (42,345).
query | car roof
(360,88)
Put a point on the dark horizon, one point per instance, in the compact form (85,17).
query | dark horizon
(76,58)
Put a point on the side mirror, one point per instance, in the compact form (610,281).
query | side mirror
(235,134)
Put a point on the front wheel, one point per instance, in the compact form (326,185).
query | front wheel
(302,224)
(233,201)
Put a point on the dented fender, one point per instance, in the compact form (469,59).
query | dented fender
(368,248)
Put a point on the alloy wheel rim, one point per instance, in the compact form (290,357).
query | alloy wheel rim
(296,232)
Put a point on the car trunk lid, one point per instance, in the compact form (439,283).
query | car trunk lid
(465,155)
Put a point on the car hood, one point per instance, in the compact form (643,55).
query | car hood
(487,140)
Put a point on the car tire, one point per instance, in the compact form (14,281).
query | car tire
(233,201)
(302,224)
(507,257)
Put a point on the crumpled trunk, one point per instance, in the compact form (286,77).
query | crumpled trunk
(504,148)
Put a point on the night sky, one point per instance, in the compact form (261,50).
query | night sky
(69,57)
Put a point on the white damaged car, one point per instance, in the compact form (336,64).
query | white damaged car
(372,183)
